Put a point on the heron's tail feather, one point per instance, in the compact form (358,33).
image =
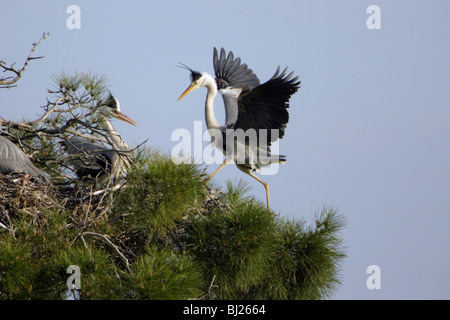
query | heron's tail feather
(277,158)
(273,158)
(281,159)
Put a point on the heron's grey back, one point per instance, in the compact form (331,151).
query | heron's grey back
(92,162)
(86,149)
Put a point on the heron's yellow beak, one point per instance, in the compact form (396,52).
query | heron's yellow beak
(121,116)
(189,89)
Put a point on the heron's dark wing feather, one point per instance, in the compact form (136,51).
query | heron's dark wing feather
(265,106)
(230,72)
(99,170)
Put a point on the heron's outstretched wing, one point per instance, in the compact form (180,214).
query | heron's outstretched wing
(230,71)
(231,77)
(13,159)
(265,106)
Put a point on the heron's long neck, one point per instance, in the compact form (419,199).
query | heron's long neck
(116,139)
(211,121)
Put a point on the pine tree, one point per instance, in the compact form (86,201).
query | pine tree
(162,234)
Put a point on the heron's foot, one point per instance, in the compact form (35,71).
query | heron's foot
(206,180)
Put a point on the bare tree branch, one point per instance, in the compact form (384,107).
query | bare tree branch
(8,81)
(209,291)
(116,248)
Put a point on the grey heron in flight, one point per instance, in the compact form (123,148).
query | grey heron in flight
(95,163)
(249,106)
(13,159)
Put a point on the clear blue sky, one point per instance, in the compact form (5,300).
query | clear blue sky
(368,131)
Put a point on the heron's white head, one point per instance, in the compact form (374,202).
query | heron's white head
(198,80)
(111,109)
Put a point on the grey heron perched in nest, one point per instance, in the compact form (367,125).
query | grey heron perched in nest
(249,105)
(94,163)
(13,159)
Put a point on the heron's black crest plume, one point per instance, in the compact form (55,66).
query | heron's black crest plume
(195,75)
(182,65)
(110,101)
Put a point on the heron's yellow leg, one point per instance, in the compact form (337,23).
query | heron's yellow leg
(217,170)
(265,186)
